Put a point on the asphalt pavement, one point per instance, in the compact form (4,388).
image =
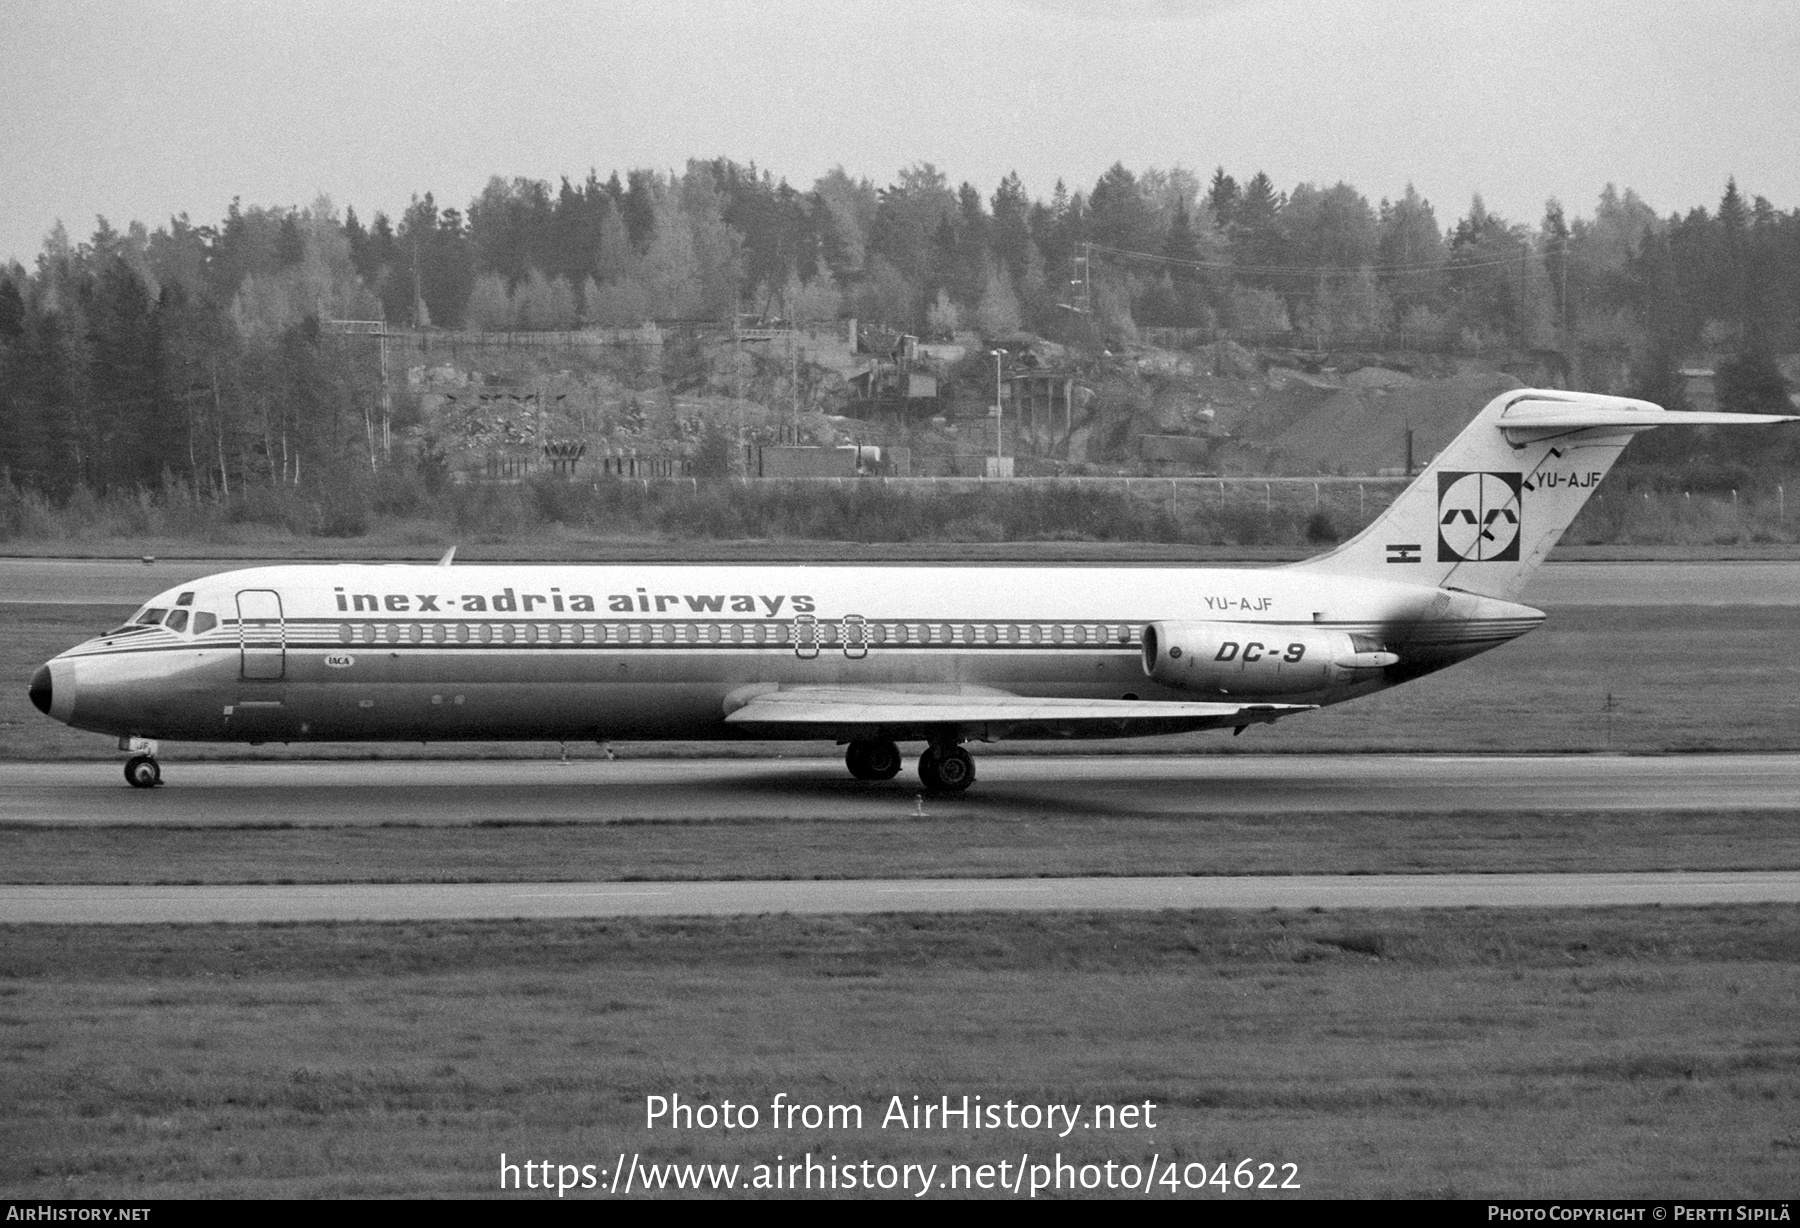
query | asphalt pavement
(448,793)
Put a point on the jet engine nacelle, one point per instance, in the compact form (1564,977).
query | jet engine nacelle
(1257,658)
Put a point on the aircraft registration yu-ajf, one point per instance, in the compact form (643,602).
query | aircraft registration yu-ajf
(868,656)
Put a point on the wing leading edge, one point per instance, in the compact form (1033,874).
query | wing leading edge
(982,714)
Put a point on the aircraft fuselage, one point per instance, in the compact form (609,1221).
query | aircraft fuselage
(426,654)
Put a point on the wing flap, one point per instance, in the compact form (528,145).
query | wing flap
(874,713)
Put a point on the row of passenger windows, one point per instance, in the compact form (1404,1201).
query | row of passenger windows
(824,634)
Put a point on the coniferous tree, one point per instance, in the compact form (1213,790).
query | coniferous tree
(1726,290)
(1222,197)
(908,230)
(290,244)
(128,415)
(615,258)
(1488,259)
(1410,254)
(1118,215)
(637,206)
(1011,222)
(1256,238)
(1182,293)
(57,455)
(12,407)
(358,238)
(1555,232)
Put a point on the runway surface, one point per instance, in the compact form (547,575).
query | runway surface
(501,901)
(130,582)
(1099,786)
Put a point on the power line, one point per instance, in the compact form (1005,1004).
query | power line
(1418,268)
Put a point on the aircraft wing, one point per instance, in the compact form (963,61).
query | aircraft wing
(901,714)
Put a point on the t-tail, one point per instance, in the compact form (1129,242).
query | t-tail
(1485,513)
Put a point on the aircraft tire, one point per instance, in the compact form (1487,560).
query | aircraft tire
(142,772)
(946,769)
(873,760)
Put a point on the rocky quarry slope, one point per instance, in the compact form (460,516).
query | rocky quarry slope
(1215,408)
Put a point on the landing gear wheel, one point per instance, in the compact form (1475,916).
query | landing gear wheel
(946,769)
(141,772)
(873,760)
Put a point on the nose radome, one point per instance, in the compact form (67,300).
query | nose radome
(40,689)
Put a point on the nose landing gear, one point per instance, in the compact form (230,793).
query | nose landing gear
(142,772)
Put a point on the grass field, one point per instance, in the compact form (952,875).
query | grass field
(553,518)
(944,846)
(1610,1053)
(1679,678)
(553,546)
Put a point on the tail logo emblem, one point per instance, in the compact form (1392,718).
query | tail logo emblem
(1478,517)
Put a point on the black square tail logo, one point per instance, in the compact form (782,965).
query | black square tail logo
(1478,517)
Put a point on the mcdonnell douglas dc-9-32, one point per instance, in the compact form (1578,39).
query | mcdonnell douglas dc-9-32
(870,657)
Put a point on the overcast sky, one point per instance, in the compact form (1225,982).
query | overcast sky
(142,110)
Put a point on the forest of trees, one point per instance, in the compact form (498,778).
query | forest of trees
(194,356)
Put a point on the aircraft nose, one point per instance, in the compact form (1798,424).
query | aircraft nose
(40,689)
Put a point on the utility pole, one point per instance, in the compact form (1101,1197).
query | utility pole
(1564,295)
(542,400)
(737,381)
(999,419)
(219,429)
(1083,281)
(1524,268)
(387,399)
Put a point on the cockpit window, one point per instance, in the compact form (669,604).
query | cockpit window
(146,617)
(174,620)
(185,599)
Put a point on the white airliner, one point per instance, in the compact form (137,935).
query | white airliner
(868,656)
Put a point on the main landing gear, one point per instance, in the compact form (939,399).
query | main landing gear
(873,760)
(946,768)
(142,772)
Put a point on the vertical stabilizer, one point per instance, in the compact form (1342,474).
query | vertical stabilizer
(1485,513)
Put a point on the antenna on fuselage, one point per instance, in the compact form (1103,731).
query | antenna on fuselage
(449,556)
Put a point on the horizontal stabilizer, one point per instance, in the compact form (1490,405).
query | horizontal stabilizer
(899,715)
(1598,411)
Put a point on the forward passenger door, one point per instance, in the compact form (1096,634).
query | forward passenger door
(262,635)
